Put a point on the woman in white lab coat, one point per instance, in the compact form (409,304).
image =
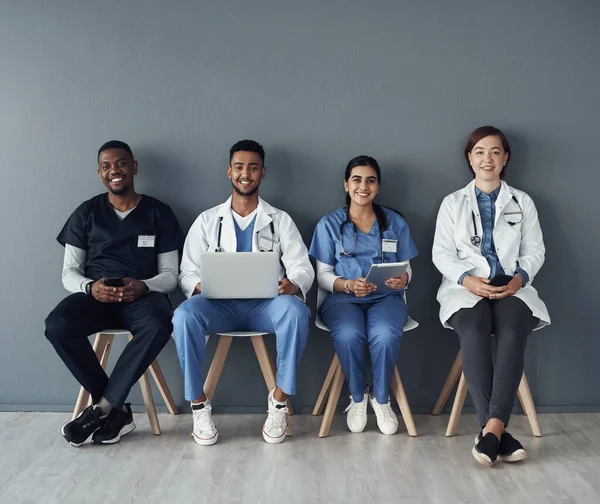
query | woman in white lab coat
(488,245)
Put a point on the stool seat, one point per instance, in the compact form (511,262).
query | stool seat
(243,334)
(102,347)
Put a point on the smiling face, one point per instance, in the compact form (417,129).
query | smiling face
(488,158)
(246,171)
(362,185)
(116,168)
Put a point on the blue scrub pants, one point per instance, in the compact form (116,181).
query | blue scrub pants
(285,315)
(378,325)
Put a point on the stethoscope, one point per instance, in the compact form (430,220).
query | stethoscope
(476,239)
(271,225)
(350,253)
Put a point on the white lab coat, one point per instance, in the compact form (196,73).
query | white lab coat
(518,245)
(202,237)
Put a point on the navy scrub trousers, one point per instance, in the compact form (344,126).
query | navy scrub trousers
(79,315)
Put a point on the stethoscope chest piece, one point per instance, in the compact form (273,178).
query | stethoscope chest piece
(475,240)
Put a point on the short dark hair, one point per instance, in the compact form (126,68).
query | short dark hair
(247,146)
(479,134)
(114,144)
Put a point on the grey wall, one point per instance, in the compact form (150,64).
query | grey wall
(317,83)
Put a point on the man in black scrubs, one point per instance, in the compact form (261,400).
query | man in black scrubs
(118,235)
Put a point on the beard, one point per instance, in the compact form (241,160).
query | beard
(119,192)
(245,193)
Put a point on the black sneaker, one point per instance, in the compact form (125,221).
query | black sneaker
(510,449)
(77,431)
(486,449)
(117,424)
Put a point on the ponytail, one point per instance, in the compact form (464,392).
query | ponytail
(381,218)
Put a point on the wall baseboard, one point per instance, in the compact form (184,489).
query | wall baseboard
(417,410)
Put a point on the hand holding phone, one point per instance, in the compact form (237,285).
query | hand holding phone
(500,280)
(114,282)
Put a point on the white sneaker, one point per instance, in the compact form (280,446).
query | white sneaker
(275,427)
(204,431)
(387,421)
(357,414)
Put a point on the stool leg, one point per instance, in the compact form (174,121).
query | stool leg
(318,409)
(214,373)
(453,377)
(163,388)
(334,396)
(400,394)
(148,399)
(267,368)
(459,401)
(149,402)
(102,345)
(524,394)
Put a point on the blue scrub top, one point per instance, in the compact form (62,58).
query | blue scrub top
(326,248)
(244,238)
(113,246)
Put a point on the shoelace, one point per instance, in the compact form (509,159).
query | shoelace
(113,416)
(203,417)
(385,410)
(277,417)
(353,409)
(90,416)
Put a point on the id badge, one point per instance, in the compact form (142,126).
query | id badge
(389,245)
(265,243)
(146,240)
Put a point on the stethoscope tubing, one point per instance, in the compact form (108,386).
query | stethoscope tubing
(350,253)
(476,239)
(219,249)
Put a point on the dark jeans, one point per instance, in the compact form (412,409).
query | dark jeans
(79,315)
(493,383)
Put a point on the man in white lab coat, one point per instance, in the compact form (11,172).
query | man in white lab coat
(244,223)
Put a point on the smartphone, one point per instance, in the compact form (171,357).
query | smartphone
(114,282)
(500,280)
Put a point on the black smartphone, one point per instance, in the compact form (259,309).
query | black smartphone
(500,280)
(114,282)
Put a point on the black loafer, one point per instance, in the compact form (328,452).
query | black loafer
(510,450)
(486,450)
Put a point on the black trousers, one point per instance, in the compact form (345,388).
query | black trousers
(493,383)
(79,315)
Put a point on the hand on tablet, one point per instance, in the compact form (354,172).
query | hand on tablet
(361,288)
(397,283)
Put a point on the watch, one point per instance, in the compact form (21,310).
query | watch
(88,287)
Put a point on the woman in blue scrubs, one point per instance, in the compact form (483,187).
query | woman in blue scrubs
(345,244)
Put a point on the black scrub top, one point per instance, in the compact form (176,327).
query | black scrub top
(122,248)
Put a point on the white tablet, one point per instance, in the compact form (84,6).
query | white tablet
(379,273)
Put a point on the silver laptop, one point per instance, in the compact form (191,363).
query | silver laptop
(239,275)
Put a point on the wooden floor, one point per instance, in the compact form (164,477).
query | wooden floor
(38,466)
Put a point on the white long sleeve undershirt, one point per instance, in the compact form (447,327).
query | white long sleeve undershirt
(74,279)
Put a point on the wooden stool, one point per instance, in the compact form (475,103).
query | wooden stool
(332,386)
(267,366)
(102,346)
(524,394)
